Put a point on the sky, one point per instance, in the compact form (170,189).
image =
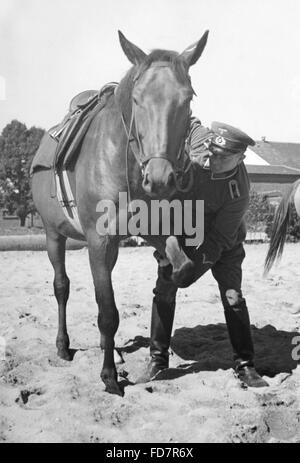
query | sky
(248,75)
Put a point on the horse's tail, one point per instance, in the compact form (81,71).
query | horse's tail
(280,227)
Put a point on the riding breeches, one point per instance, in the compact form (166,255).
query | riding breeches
(228,274)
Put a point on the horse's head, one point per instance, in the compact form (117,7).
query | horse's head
(161,93)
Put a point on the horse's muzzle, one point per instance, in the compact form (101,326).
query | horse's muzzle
(159,178)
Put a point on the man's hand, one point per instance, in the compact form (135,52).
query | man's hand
(162,261)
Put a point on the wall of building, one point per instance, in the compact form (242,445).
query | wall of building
(267,187)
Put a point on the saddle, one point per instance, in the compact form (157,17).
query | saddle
(71,131)
(59,145)
(82,102)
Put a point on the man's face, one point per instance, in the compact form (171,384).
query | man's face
(220,162)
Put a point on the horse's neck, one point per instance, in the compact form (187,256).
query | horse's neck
(107,147)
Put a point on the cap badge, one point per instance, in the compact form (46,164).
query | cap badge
(220,141)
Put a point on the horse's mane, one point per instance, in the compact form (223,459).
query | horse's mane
(177,64)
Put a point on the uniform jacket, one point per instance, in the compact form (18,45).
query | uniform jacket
(226,199)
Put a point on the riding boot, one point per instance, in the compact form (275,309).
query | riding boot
(163,310)
(160,338)
(238,325)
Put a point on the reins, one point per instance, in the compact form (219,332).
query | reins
(128,134)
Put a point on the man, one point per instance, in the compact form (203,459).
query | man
(221,180)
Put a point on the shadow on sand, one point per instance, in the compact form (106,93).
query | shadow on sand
(207,348)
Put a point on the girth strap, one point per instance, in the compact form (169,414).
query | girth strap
(68,203)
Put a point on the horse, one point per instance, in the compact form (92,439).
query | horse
(281,223)
(133,145)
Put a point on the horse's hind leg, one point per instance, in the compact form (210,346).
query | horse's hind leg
(56,247)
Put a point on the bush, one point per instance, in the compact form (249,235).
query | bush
(293,233)
(260,214)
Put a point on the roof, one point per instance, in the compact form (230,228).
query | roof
(273,162)
(272,170)
(287,154)
(272,174)
(254,159)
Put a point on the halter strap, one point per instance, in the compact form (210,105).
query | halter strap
(142,160)
(139,155)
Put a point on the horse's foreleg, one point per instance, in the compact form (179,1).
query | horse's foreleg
(56,247)
(103,254)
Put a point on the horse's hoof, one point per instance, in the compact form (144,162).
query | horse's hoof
(65,354)
(175,254)
(183,268)
(112,387)
(62,345)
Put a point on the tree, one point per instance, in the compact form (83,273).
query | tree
(17,148)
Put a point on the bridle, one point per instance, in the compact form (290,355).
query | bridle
(181,168)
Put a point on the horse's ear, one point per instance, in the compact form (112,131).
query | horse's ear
(133,53)
(193,53)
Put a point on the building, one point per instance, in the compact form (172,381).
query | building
(273,166)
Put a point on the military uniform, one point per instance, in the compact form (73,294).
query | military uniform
(226,199)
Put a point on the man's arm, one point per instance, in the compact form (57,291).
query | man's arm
(198,135)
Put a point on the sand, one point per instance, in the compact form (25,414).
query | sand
(45,399)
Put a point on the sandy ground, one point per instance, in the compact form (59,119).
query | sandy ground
(44,399)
